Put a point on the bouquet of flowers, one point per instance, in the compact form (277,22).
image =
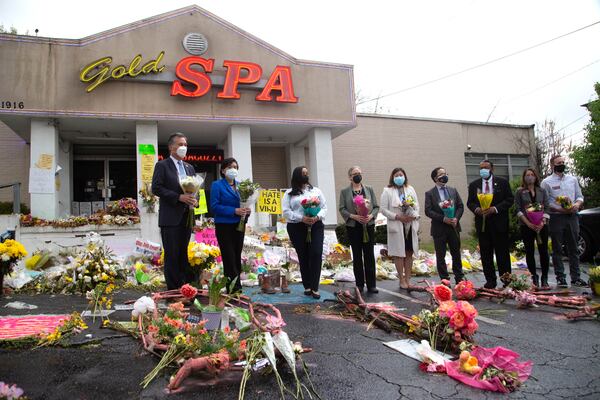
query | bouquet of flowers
(125,206)
(464,290)
(449,210)
(485,202)
(202,255)
(11,251)
(148,198)
(248,194)
(362,206)
(407,204)
(535,215)
(565,202)
(11,392)
(461,318)
(94,265)
(311,206)
(191,185)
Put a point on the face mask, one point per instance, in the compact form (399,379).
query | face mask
(357,178)
(231,173)
(399,180)
(182,151)
(560,168)
(484,173)
(529,180)
(443,179)
(304,179)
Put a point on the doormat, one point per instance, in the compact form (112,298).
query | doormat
(29,325)
(296,296)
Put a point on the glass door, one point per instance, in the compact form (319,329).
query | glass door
(122,179)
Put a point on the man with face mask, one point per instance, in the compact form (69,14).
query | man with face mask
(173,211)
(444,230)
(564,222)
(494,238)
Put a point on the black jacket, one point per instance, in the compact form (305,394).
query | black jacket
(434,211)
(503,200)
(165,184)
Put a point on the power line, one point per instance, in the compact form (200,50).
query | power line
(571,123)
(479,65)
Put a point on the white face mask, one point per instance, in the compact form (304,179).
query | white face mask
(182,151)
(231,173)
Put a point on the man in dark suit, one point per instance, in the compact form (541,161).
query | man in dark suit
(494,239)
(173,212)
(444,230)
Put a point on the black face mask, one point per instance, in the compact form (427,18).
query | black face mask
(559,168)
(304,179)
(357,178)
(443,179)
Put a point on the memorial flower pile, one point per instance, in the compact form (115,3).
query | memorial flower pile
(203,256)
(124,206)
(11,251)
(70,327)
(94,265)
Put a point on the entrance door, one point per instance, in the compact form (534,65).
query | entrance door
(122,179)
(104,180)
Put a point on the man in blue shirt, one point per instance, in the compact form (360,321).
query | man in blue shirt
(564,222)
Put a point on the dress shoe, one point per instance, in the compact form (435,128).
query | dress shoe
(316,295)
(579,283)
(308,292)
(373,290)
(561,283)
(490,285)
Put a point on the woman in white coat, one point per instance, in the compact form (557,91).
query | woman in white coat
(400,206)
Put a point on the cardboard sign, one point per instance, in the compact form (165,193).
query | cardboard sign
(202,207)
(269,201)
(147,167)
(207,236)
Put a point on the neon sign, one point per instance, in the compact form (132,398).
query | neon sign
(279,81)
(99,71)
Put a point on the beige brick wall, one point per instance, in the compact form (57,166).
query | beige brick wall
(378,144)
(14,163)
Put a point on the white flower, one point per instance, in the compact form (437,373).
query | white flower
(87,279)
(79,276)
(142,305)
(5,257)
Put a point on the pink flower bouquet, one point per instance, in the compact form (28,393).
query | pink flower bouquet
(362,206)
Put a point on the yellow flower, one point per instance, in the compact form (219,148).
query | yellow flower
(179,339)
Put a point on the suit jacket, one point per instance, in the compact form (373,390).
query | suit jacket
(223,202)
(503,199)
(434,211)
(165,184)
(347,204)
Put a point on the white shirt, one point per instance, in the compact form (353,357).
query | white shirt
(567,185)
(293,210)
(176,161)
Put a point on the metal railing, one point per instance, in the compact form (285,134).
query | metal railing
(16,196)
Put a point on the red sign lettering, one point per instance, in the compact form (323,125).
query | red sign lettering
(234,69)
(184,72)
(280,80)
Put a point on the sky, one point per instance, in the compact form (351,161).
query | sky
(399,46)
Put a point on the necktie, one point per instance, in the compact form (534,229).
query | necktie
(446,193)
(487,186)
(182,173)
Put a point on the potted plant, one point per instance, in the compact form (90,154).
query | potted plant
(594,274)
(213,312)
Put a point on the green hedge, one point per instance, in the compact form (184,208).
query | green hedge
(6,207)
(342,235)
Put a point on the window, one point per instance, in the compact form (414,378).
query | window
(508,166)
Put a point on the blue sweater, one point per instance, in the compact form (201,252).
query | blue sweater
(223,202)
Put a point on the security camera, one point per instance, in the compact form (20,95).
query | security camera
(468,147)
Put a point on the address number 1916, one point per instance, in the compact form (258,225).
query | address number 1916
(12,104)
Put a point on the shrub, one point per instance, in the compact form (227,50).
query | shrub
(6,207)
(342,234)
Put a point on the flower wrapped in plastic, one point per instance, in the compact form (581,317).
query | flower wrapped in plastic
(191,184)
(248,191)
(485,202)
(363,207)
(535,214)
(311,206)
(449,209)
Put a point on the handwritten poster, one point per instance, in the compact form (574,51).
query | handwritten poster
(269,201)
(41,181)
(45,161)
(147,167)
